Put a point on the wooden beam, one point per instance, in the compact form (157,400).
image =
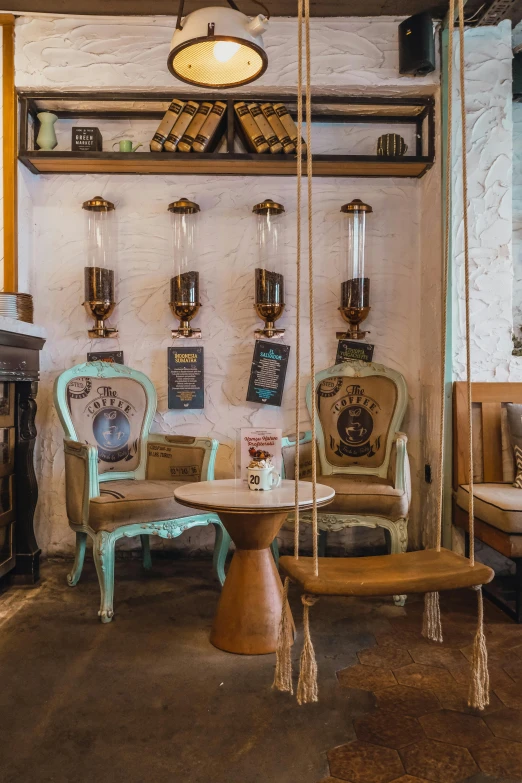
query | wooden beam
(9,153)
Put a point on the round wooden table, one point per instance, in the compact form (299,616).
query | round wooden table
(249,609)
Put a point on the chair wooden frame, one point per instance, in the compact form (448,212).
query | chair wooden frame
(490,396)
(104,542)
(332,522)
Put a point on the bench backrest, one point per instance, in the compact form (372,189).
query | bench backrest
(492,453)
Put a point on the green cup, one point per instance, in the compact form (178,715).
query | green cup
(126,145)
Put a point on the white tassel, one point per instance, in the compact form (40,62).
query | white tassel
(431,624)
(307,689)
(283,669)
(478,695)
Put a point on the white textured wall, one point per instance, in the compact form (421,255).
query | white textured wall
(71,53)
(517,220)
(490,150)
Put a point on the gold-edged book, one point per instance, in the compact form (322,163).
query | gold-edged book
(189,137)
(265,128)
(209,127)
(166,125)
(288,124)
(180,126)
(251,128)
(278,128)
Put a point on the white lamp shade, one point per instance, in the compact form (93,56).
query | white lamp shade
(218,47)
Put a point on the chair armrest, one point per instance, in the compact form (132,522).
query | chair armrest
(400,462)
(81,479)
(180,458)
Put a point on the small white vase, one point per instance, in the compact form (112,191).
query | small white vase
(46,139)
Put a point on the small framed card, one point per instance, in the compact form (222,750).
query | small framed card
(348,350)
(268,373)
(111,357)
(186,378)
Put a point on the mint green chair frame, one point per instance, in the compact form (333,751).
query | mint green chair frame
(104,542)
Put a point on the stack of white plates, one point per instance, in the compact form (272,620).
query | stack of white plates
(19,306)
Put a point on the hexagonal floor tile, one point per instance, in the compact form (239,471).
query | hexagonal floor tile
(506,724)
(406,638)
(431,655)
(408,701)
(332,780)
(427,677)
(511,696)
(498,757)
(513,670)
(367,678)
(388,728)
(457,699)
(387,657)
(410,779)
(438,761)
(455,728)
(361,762)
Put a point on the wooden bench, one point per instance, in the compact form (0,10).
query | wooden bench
(498,505)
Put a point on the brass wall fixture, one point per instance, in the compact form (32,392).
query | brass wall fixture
(355,290)
(269,279)
(99,277)
(184,286)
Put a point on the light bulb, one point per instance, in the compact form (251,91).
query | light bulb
(225,50)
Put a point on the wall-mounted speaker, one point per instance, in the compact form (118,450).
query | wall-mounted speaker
(417,45)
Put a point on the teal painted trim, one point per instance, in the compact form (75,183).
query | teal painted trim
(448,368)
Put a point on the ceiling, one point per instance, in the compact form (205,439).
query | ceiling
(511,9)
(277,7)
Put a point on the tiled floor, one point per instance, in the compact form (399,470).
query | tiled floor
(147,698)
(422,729)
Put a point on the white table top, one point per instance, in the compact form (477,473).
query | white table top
(234,495)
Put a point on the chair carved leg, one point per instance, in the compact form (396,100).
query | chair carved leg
(74,576)
(274,546)
(104,546)
(221,547)
(145,550)
(399,543)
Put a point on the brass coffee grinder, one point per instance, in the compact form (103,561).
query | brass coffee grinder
(355,290)
(99,278)
(184,286)
(269,280)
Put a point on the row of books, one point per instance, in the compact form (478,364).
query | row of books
(188,125)
(268,127)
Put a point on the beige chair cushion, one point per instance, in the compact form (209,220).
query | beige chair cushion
(127,502)
(500,505)
(369,495)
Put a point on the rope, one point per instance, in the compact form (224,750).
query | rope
(283,669)
(315,533)
(478,694)
(298,266)
(431,624)
(471,508)
(307,689)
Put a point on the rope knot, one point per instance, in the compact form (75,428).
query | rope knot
(309,600)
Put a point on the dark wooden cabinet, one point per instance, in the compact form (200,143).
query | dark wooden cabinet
(19,375)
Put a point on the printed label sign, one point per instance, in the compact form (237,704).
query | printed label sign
(260,444)
(268,372)
(186,376)
(353,349)
(111,357)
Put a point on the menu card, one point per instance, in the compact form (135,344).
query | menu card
(255,441)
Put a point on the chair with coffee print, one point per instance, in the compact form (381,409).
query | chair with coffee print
(120,478)
(360,451)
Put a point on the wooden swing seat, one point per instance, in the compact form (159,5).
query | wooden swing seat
(425,571)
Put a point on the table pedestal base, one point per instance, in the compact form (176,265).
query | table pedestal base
(249,609)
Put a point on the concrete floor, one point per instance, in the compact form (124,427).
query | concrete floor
(147,698)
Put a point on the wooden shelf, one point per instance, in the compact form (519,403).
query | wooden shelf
(219,164)
(416,112)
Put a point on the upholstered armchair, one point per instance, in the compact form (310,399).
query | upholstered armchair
(119,478)
(360,451)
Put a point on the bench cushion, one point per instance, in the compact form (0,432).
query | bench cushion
(127,501)
(500,505)
(370,495)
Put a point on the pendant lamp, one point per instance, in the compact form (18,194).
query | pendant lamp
(218,47)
